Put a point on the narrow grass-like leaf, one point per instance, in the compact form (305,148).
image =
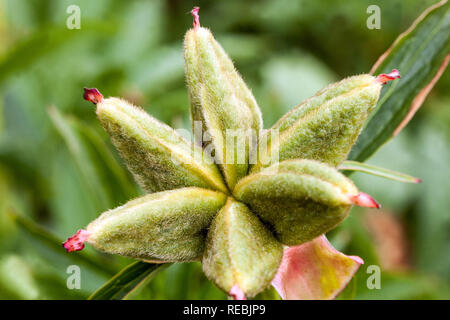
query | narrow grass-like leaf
(100,171)
(377,171)
(419,54)
(127,280)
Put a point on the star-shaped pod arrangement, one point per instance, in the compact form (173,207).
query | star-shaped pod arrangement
(253,216)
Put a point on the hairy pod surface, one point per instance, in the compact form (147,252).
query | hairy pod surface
(221,101)
(159,158)
(300,199)
(163,226)
(240,251)
(325,126)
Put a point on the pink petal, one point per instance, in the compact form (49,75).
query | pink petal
(314,271)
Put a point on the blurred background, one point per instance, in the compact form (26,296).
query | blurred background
(59,170)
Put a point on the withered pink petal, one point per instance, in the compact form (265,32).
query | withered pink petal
(76,242)
(194,13)
(364,200)
(92,95)
(236,293)
(314,271)
(386,77)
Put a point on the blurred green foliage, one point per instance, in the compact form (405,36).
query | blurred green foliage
(58,168)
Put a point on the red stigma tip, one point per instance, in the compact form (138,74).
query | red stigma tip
(364,200)
(194,13)
(76,242)
(92,95)
(386,77)
(236,293)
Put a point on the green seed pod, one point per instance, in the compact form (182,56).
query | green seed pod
(159,158)
(220,101)
(241,255)
(300,199)
(325,126)
(163,226)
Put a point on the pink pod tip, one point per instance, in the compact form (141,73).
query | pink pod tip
(76,242)
(386,77)
(236,293)
(364,200)
(92,95)
(194,13)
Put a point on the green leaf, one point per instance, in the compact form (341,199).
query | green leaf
(268,294)
(420,55)
(349,291)
(127,280)
(403,286)
(53,242)
(17,279)
(47,40)
(104,177)
(377,171)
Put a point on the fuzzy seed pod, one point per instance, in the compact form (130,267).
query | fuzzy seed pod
(220,101)
(241,256)
(163,226)
(300,199)
(325,126)
(237,223)
(159,158)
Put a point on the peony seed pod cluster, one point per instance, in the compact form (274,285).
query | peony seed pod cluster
(253,216)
